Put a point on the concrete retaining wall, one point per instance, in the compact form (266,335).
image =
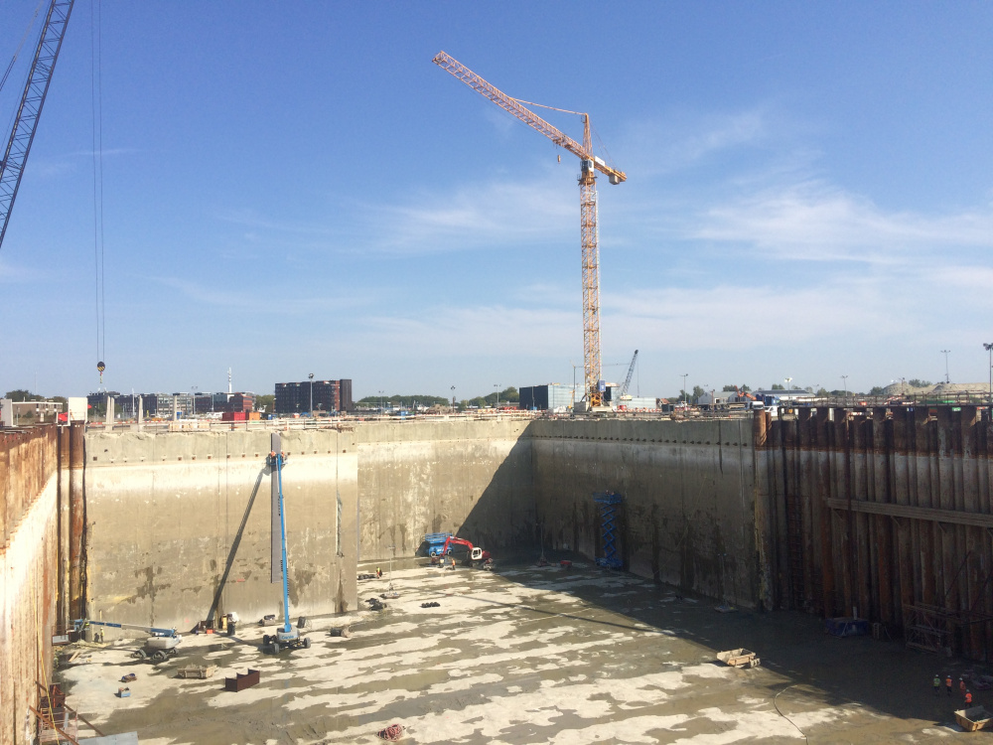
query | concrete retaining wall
(470,477)
(178,525)
(175,533)
(690,515)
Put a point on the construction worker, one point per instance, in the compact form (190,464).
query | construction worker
(948,684)
(453,562)
(379,573)
(968,698)
(937,684)
(961,686)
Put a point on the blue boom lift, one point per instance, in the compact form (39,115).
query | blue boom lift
(286,637)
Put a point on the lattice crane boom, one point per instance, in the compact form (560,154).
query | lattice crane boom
(589,165)
(627,380)
(32,100)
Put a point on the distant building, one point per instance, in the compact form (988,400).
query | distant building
(550,397)
(326,395)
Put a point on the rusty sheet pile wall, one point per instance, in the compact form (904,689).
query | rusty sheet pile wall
(887,514)
(29,560)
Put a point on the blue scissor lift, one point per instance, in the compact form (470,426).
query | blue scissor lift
(608,502)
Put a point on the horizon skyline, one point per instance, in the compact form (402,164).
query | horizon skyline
(809,189)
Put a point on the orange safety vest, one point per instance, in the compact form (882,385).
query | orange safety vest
(968,698)
(948,682)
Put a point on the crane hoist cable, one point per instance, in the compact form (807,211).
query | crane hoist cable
(99,258)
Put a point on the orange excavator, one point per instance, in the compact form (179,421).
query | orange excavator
(475,556)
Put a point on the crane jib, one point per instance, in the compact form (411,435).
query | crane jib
(513,106)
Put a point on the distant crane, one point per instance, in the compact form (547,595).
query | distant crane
(627,380)
(29,110)
(589,165)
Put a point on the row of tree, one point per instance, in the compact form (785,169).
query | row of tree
(401,402)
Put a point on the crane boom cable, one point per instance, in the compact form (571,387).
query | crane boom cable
(551,108)
(513,105)
(17,52)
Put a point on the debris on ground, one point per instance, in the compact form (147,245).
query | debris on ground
(393,733)
(375,604)
(739,657)
(430,605)
(196,671)
(129,678)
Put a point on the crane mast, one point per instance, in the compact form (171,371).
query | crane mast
(589,165)
(32,100)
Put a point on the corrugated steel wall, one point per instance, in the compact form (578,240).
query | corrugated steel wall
(35,529)
(887,514)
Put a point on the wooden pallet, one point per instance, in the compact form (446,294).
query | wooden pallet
(196,671)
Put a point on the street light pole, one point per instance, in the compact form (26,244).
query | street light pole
(945,352)
(684,376)
(845,379)
(989,348)
(453,398)
(497,387)
(311,376)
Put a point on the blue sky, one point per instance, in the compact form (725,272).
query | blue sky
(292,188)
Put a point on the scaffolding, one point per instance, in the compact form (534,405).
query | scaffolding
(608,502)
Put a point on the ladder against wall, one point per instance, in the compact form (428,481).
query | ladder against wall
(609,505)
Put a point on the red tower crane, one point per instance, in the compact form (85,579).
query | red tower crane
(589,165)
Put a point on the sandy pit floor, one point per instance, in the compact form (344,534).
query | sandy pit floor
(530,654)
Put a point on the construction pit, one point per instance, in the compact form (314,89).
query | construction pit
(561,653)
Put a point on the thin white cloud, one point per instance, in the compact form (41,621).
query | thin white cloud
(248,218)
(812,220)
(748,315)
(283,303)
(14,274)
(684,140)
(502,212)
(484,331)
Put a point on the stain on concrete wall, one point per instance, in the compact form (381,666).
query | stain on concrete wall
(178,526)
(468,477)
(689,515)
